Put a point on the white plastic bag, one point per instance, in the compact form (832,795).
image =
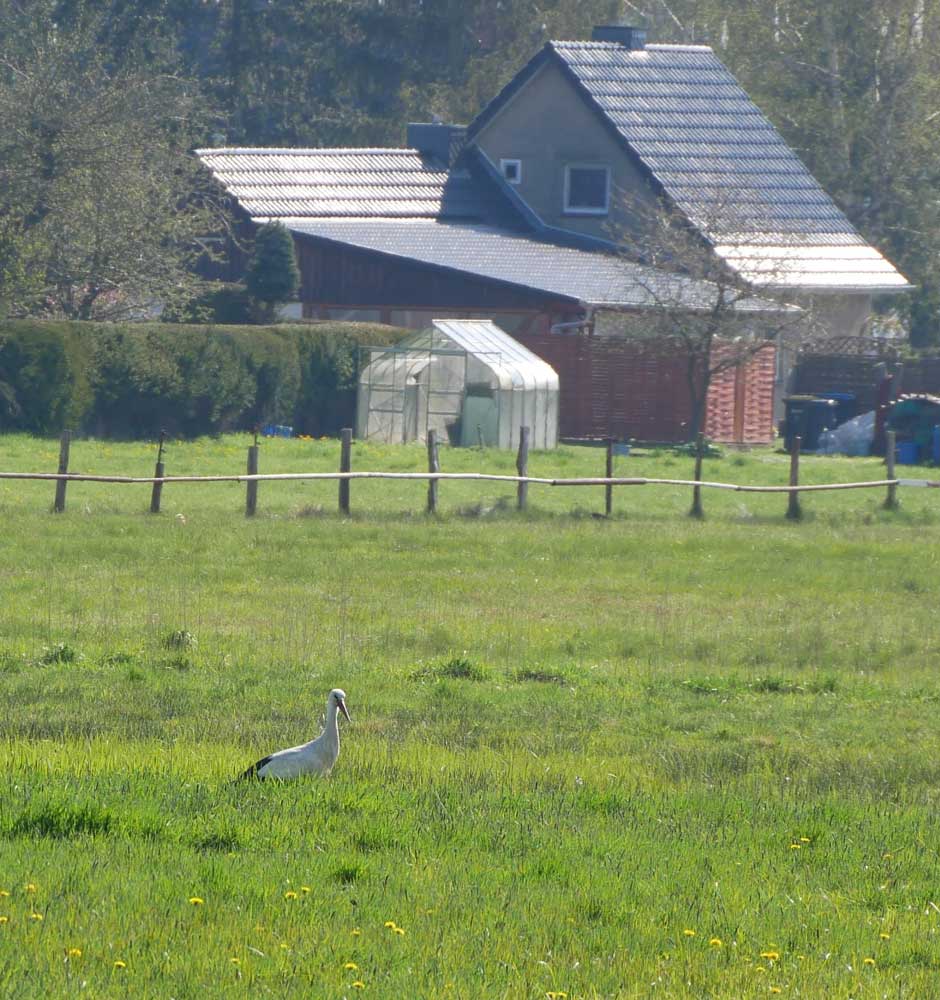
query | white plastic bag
(854,437)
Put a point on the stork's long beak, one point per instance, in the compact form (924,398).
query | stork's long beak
(342,708)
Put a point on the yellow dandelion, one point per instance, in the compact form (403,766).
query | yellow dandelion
(355,932)
(796,847)
(556,995)
(235,960)
(688,932)
(390,924)
(75,952)
(351,967)
(30,887)
(4,893)
(4,920)
(888,856)
(358,985)
(805,840)
(868,961)
(305,888)
(35,916)
(884,935)
(120,965)
(285,945)
(715,942)
(290,894)
(196,900)
(759,968)
(775,989)
(399,930)
(771,956)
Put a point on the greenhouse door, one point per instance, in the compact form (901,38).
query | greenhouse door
(479,423)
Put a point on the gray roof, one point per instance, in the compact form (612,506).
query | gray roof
(582,276)
(692,127)
(312,183)
(702,137)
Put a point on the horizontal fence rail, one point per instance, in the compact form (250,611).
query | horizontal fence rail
(473,476)
(433,476)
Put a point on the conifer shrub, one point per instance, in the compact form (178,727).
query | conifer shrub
(132,380)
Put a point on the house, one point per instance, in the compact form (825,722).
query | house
(515,218)
(588,130)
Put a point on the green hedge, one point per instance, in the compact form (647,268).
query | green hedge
(133,380)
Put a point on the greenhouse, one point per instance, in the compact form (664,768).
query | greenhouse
(467,380)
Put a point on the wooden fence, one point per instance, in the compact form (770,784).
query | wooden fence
(345,475)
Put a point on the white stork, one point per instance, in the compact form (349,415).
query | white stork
(316,757)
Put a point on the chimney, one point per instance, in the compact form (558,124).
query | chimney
(443,142)
(628,37)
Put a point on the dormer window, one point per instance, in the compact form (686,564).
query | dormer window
(511,170)
(587,189)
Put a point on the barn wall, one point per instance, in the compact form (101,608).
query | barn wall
(337,275)
(615,388)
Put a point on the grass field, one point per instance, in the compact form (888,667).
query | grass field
(644,756)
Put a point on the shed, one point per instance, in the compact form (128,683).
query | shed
(468,380)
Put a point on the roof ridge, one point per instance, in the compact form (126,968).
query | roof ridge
(301,150)
(657,46)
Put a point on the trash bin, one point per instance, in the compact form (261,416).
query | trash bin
(807,417)
(845,405)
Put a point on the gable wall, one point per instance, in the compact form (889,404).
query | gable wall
(841,315)
(547,125)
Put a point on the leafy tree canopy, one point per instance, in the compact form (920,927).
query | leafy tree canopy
(100,205)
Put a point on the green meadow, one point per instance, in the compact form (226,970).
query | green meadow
(643,756)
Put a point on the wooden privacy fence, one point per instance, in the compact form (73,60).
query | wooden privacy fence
(434,476)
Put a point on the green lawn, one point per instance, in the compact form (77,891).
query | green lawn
(644,756)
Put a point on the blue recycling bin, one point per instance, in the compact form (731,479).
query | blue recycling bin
(846,406)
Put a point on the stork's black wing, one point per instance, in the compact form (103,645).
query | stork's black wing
(252,771)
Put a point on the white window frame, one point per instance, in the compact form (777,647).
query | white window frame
(503,163)
(581,209)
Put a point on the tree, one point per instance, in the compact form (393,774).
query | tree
(698,306)
(272,277)
(99,194)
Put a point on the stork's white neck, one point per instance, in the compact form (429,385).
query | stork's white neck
(331,727)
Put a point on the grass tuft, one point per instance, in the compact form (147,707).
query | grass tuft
(456,668)
(61,652)
(538,675)
(61,820)
(180,638)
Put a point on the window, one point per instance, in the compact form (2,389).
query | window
(511,170)
(587,189)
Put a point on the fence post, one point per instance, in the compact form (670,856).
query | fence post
(891,500)
(794,511)
(434,465)
(522,468)
(609,474)
(345,464)
(158,472)
(696,509)
(251,491)
(60,484)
